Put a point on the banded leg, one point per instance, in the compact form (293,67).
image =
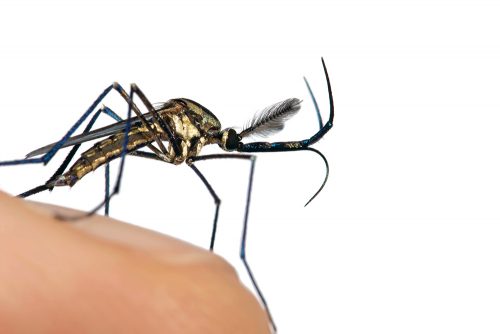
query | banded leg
(243,243)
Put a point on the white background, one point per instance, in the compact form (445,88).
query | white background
(405,237)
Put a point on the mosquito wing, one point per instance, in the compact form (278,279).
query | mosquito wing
(95,134)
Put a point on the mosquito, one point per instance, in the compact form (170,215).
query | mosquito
(186,127)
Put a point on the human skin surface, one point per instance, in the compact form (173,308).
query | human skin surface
(100,275)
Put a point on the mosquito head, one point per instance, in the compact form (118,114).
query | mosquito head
(229,139)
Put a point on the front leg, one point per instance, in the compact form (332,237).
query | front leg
(243,243)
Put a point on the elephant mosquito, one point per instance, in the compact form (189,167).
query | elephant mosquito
(186,126)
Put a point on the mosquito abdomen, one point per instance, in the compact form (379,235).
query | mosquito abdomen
(102,153)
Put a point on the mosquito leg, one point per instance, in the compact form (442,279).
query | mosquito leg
(252,158)
(216,198)
(117,118)
(116,188)
(106,190)
(71,154)
(316,107)
(48,156)
(245,220)
(190,162)
(131,106)
(135,89)
(217,204)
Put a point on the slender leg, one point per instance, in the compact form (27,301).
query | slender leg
(116,188)
(216,198)
(135,89)
(106,190)
(245,220)
(46,157)
(252,158)
(132,106)
(217,204)
(117,118)
(316,107)
(49,155)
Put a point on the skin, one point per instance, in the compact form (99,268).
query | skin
(100,275)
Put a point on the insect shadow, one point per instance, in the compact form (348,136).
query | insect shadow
(186,126)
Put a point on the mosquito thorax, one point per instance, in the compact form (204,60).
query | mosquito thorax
(229,140)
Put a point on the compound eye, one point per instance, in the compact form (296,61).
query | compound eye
(232,140)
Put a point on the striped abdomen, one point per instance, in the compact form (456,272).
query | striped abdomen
(102,153)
